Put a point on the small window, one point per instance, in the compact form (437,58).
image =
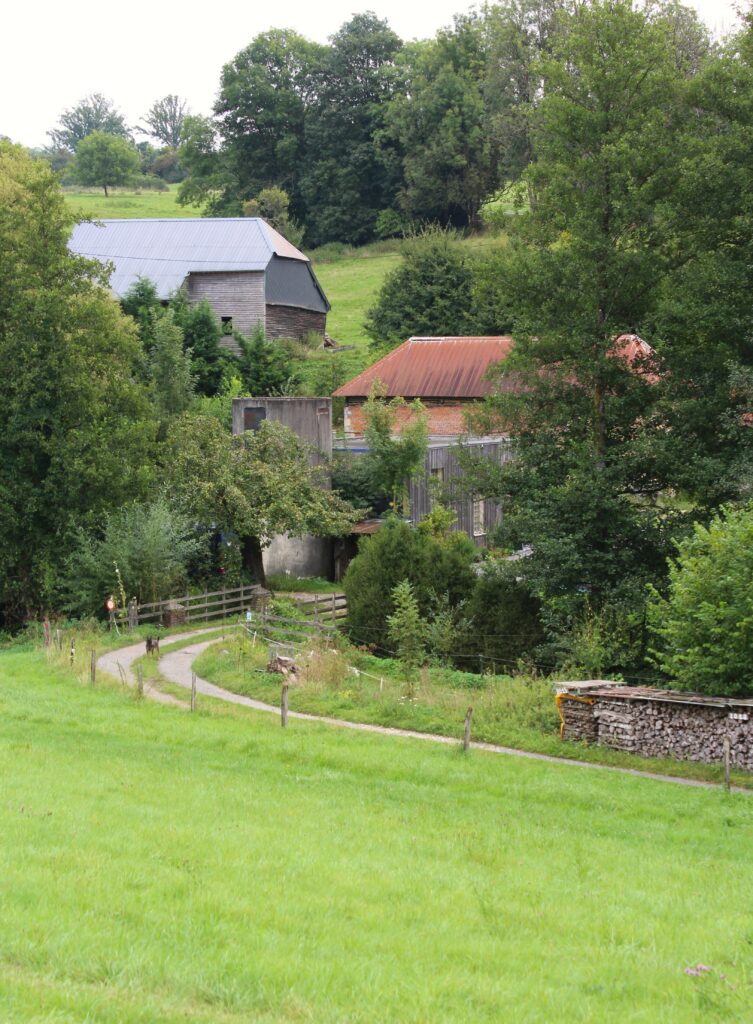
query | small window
(479,518)
(227,324)
(253,415)
(437,473)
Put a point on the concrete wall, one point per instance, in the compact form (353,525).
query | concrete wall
(293,322)
(657,727)
(311,419)
(239,295)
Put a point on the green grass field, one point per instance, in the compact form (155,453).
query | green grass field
(127,203)
(162,867)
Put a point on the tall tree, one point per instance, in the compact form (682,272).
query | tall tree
(345,183)
(105,160)
(95,113)
(76,432)
(260,113)
(164,119)
(583,270)
(172,380)
(254,485)
(437,129)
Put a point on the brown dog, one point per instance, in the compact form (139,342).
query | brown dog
(152,645)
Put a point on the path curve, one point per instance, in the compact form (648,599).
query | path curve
(177,667)
(122,658)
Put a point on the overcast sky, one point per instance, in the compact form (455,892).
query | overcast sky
(54,53)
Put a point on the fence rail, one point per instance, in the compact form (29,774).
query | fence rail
(317,609)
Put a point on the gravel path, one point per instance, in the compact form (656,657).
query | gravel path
(124,657)
(177,667)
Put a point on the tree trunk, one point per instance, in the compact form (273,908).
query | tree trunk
(105,188)
(253,561)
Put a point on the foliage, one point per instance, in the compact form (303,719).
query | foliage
(273,206)
(353,480)
(429,293)
(164,120)
(94,113)
(500,623)
(396,552)
(406,630)
(265,367)
(151,545)
(201,335)
(704,624)
(438,126)
(344,182)
(142,303)
(172,380)
(589,487)
(105,160)
(76,432)
(394,458)
(253,486)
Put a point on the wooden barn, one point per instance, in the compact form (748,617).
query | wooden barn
(246,270)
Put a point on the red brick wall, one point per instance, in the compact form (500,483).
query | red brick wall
(444,419)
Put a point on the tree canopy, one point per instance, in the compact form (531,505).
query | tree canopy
(76,430)
(105,160)
(94,113)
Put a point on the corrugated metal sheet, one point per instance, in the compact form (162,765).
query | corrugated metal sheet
(433,368)
(167,251)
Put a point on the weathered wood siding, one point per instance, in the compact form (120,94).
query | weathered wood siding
(293,321)
(239,295)
(445,458)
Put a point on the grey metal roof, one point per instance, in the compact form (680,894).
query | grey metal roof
(167,251)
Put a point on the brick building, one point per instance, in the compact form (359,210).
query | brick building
(447,374)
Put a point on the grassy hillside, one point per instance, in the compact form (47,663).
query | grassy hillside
(162,867)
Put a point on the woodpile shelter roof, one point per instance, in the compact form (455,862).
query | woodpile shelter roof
(166,251)
(448,367)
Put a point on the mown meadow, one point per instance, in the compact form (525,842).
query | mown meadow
(162,866)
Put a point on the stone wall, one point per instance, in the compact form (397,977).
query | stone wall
(687,727)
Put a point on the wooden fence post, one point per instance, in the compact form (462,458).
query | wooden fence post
(467,730)
(93,668)
(726,762)
(193,691)
(133,614)
(334,612)
(59,640)
(284,706)
(139,683)
(47,633)
(73,649)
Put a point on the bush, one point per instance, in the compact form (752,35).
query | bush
(432,566)
(705,624)
(500,621)
(428,294)
(150,546)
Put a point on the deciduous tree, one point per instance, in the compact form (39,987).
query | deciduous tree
(76,432)
(95,113)
(164,120)
(254,485)
(105,160)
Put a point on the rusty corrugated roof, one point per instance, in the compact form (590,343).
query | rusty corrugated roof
(433,368)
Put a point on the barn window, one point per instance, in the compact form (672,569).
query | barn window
(479,518)
(437,474)
(253,415)
(227,324)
